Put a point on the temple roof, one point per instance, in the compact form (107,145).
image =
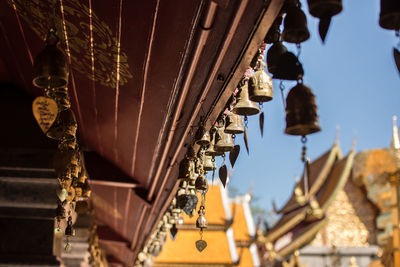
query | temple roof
(298,226)
(319,170)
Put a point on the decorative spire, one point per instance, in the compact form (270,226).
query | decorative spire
(395,139)
(337,134)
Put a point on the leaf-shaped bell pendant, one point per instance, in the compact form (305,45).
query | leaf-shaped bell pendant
(50,68)
(301,111)
(295,25)
(389,17)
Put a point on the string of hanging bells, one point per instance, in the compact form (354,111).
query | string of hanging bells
(56,119)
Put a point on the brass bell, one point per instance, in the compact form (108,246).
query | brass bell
(64,127)
(289,68)
(324,8)
(186,169)
(274,33)
(60,95)
(69,231)
(67,144)
(211,148)
(295,26)
(202,136)
(209,163)
(260,85)
(244,106)
(301,111)
(389,17)
(273,56)
(224,142)
(201,184)
(234,124)
(50,67)
(201,221)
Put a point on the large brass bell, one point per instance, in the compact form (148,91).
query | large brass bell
(301,111)
(289,68)
(295,25)
(50,68)
(234,124)
(209,163)
(64,127)
(325,8)
(224,142)
(260,84)
(202,136)
(244,106)
(211,148)
(273,56)
(389,17)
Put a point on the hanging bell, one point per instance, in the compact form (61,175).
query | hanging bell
(201,184)
(50,68)
(260,84)
(60,95)
(301,111)
(289,68)
(202,136)
(69,230)
(67,144)
(64,127)
(273,56)
(389,17)
(295,26)
(244,106)
(224,142)
(274,33)
(209,163)
(324,8)
(201,221)
(186,169)
(210,151)
(191,153)
(234,124)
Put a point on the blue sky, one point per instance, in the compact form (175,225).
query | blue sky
(357,87)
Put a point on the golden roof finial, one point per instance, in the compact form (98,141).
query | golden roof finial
(353,145)
(337,134)
(395,137)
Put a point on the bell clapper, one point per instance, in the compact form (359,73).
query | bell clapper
(282,88)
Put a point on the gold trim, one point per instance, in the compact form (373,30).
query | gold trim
(270,237)
(303,239)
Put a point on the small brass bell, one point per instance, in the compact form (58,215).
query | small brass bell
(210,151)
(234,124)
(224,142)
(209,163)
(64,127)
(201,184)
(324,8)
(201,221)
(389,17)
(191,153)
(202,136)
(274,33)
(244,106)
(273,56)
(260,85)
(69,230)
(60,95)
(186,169)
(289,68)
(301,111)
(50,67)
(295,26)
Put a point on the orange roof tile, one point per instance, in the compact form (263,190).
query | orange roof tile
(246,259)
(215,211)
(239,226)
(183,249)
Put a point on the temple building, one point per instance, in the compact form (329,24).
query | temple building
(328,220)
(230,235)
